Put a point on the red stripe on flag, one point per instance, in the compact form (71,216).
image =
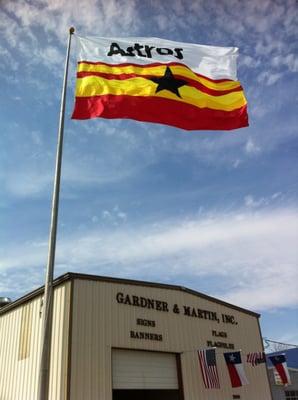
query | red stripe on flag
(234,376)
(203,369)
(282,373)
(159,110)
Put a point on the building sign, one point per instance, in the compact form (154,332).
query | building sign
(163,306)
(217,342)
(186,310)
(220,345)
(146,335)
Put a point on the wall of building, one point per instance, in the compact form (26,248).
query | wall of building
(101,323)
(20,333)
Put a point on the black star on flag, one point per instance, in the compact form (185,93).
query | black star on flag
(169,82)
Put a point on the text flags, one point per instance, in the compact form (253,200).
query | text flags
(207,359)
(235,368)
(189,86)
(280,364)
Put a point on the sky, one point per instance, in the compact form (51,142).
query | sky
(212,211)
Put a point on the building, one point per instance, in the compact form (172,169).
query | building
(279,391)
(123,339)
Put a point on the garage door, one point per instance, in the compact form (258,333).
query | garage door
(144,375)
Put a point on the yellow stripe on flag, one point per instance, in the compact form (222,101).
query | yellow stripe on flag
(96,86)
(157,71)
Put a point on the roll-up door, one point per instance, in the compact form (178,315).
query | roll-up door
(134,369)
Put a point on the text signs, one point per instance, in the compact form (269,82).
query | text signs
(163,306)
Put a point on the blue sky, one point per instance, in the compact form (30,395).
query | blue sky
(213,211)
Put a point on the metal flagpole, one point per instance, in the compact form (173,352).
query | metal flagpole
(43,383)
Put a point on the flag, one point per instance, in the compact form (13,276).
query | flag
(189,86)
(277,379)
(235,368)
(280,365)
(256,358)
(207,359)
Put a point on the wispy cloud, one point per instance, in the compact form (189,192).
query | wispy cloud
(254,255)
(269,78)
(251,147)
(55,17)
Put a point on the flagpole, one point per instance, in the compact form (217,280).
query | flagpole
(47,316)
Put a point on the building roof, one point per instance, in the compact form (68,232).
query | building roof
(73,276)
(291,357)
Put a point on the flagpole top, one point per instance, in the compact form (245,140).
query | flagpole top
(71,30)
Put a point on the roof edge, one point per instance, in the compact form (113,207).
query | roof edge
(74,275)
(34,293)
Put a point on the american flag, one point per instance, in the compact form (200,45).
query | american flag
(207,361)
(256,358)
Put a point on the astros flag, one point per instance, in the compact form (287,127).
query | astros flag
(189,86)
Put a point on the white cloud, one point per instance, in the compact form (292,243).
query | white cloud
(115,216)
(252,256)
(56,16)
(9,60)
(32,183)
(251,202)
(289,60)
(288,337)
(269,78)
(251,147)
(33,174)
(36,179)
(267,288)
(24,24)
(248,61)
(276,195)
(236,163)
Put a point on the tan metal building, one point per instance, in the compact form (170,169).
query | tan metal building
(123,339)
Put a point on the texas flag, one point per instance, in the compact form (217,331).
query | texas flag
(280,364)
(235,368)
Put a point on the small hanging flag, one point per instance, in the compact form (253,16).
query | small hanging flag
(280,365)
(256,358)
(207,359)
(235,368)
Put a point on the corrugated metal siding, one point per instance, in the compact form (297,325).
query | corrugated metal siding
(91,339)
(25,332)
(20,331)
(59,349)
(100,324)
